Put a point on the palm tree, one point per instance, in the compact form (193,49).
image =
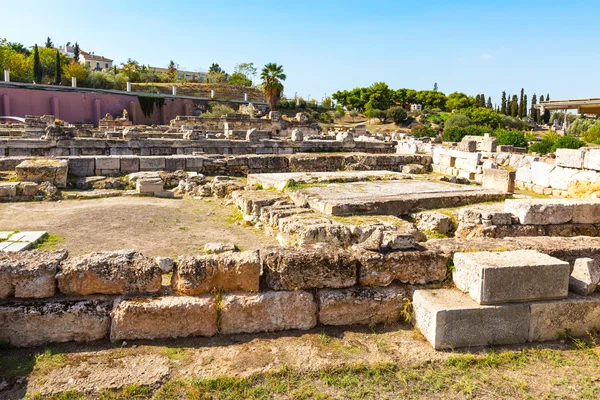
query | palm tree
(272,75)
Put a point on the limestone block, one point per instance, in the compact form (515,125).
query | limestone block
(511,276)
(165,264)
(523,174)
(570,158)
(163,317)
(466,174)
(446,160)
(497,218)
(559,177)
(152,163)
(29,273)
(267,312)
(540,211)
(308,267)
(501,180)
(450,319)
(585,211)
(297,135)
(405,147)
(414,267)
(550,319)
(540,173)
(175,163)
(489,164)
(8,189)
(28,188)
(585,176)
(194,163)
(108,163)
(361,305)
(592,159)
(414,169)
(224,272)
(434,221)
(109,272)
(218,247)
(43,170)
(130,164)
(585,276)
(82,166)
(149,186)
(27,323)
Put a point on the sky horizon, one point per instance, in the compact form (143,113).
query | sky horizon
(471,47)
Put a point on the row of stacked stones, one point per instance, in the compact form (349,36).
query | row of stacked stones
(50,297)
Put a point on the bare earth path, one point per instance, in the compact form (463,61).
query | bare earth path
(151,225)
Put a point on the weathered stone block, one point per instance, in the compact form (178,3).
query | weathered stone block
(43,170)
(28,188)
(108,163)
(540,211)
(130,164)
(175,163)
(148,186)
(29,273)
(361,305)
(578,314)
(163,317)
(450,319)
(540,173)
(414,267)
(585,276)
(8,189)
(511,276)
(523,174)
(308,267)
(560,177)
(27,323)
(82,166)
(267,312)
(109,272)
(152,163)
(224,272)
(592,159)
(570,158)
(499,179)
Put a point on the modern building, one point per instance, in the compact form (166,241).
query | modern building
(95,62)
(416,107)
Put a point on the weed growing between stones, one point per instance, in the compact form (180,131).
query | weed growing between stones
(48,242)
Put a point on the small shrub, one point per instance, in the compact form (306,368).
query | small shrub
(581,125)
(326,118)
(567,142)
(397,114)
(511,138)
(421,130)
(458,120)
(592,135)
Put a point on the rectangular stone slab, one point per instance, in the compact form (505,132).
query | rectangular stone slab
(511,276)
(578,314)
(450,319)
(389,197)
(278,180)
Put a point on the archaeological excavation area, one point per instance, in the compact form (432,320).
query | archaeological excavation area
(153,237)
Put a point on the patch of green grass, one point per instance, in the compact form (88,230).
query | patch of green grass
(132,391)
(434,234)
(49,242)
(235,216)
(68,395)
(48,360)
(174,353)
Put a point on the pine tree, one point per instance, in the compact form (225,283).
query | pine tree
(482,100)
(76,52)
(435,87)
(49,44)
(534,112)
(37,65)
(477,101)
(503,103)
(489,103)
(58,70)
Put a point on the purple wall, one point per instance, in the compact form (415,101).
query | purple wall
(85,107)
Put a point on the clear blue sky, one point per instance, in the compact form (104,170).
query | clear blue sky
(469,46)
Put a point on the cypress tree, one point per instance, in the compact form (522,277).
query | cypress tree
(524,106)
(521,103)
(503,103)
(477,101)
(540,115)
(514,106)
(489,103)
(58,70)
(482,100)
(533,111)
(76,52)
(37,65)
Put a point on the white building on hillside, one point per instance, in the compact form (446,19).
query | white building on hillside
(95,62)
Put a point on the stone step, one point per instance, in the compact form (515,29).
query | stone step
(450,319)
(511,276)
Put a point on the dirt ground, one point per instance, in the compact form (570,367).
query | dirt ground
(153,226)
(391,361)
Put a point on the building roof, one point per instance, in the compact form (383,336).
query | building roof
(589,106)
(89,56)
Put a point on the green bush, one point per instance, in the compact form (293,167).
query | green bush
(397,114)
(509,122)
(581,125)
(456,133)
(422,130)
(339,112)
(483,116)
(567,142)
(511,138)
(592,135)
(542,147)
(457,120)
(326,118)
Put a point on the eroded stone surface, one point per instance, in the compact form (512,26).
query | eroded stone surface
(27,323)
(266,312)
(109,272)
(29,273)
(414,267)
(362,305)
(585,276)
(225,272)
(308,267)
(47,170)
(163,317)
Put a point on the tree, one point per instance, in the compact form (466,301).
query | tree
(524,106)
(435,87)
(459,120)
(19,48)
(533,111)
(521,110)
(172,71)
(131,70)
(459,100)
(405,97)
(272,76)
(489,103)
(397,114)
(540,115)
(58,70)
(326,103)
(37,65)
(75,69)
(477,101)
(339,112)
(353,114)
(380,96)
(248,70)
(514,106)
(49,44)
(76,52)
(503,108)
(214,67)
(546,117)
